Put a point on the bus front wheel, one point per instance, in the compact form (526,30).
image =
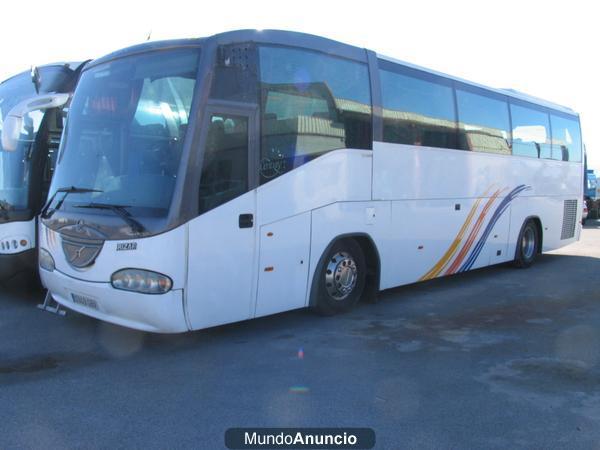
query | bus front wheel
(340,278)
(527,245)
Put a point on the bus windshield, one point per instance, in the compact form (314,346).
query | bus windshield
(15,165)
(125,132)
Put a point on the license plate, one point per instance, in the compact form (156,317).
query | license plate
(84,301)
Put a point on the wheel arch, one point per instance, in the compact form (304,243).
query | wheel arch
(538,223)
(372,257)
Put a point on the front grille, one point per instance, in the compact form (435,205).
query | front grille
(81,244)
(569,219)
(81,253)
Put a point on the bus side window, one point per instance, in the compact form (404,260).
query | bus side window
(418,109)
(566,139)
(483,122)
(225,166)
(531,132)
(311,103)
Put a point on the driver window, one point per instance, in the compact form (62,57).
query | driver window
(225,166)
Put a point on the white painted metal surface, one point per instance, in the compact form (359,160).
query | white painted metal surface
(283,265)
(157,313)
(222,265)
(164,253)
(404,172)
(337,176)
(13,233)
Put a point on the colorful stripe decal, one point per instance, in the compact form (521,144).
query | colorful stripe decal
(488,229)
(441,264)
(473,234)
(473,245)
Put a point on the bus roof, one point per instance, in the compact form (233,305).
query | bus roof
(146,47)
(294,38)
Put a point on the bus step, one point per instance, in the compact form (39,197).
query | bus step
(52,306)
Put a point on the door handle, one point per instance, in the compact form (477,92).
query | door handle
(246,220)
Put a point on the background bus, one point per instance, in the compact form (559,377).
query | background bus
(26,169)
(208,181)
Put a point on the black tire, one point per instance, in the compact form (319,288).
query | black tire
(330,295)
(528,245)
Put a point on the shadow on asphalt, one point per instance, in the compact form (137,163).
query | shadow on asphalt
(24,285)
(440,296)
(393,303)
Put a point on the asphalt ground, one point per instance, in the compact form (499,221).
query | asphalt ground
(494,358)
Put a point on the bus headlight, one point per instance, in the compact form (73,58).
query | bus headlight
(46,260)
(143,281)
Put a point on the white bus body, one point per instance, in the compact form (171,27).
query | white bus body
(416,211)
(17,243)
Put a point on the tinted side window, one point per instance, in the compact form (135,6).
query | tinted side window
(530,132)
(311,103)
(417,111)
(566,139)
(225,168)
(483,123)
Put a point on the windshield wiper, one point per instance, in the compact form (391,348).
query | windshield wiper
(119,210)
(65,190)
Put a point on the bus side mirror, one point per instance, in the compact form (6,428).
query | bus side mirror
(13,123)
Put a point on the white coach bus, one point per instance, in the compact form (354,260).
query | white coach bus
(208,181)
(32,106)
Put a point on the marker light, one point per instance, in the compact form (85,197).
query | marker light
(46,260)
(143,281)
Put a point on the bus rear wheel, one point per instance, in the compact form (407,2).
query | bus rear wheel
(340,278)
(528,245)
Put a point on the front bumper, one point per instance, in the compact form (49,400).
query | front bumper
(155,313)
(12,264)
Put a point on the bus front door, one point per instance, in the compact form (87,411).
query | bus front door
(221,285)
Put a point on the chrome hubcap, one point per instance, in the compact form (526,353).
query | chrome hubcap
(528,244)
(341,276)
